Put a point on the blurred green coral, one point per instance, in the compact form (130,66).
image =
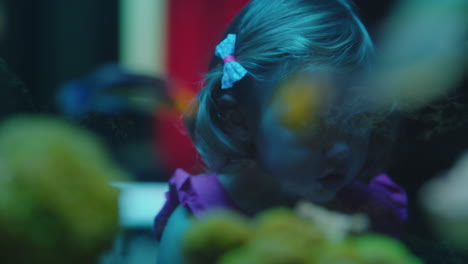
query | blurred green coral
(374,248)
(56,204)
(281,236)
(220,232)
(368,249)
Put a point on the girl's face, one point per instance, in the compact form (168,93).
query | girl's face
(303,143)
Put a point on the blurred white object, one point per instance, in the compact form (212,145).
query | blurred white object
(139,203)
(143,26)
(445,200)
(336,226)
(423,53)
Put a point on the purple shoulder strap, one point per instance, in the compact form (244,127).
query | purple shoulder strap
(384,201)
(197,193)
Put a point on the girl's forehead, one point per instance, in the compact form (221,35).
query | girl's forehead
(302,88)
(303,98)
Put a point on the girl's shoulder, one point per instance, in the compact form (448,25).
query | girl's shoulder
(171,242)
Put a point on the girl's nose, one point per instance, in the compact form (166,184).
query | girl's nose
(339,152)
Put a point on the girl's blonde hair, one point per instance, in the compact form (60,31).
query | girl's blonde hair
(274,38)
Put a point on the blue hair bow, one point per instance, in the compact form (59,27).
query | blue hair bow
(232,71)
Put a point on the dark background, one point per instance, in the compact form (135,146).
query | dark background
(48,42)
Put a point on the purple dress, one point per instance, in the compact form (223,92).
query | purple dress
(381,199)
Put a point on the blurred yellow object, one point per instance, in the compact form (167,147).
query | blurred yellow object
(182,97)
(297,101)
(56,204)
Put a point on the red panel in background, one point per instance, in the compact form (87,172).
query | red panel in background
(195,27)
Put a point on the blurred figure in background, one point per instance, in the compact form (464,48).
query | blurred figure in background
(133,114)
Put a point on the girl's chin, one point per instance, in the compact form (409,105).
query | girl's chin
(318,196)
(322,198)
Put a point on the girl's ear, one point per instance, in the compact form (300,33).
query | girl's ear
(232,119)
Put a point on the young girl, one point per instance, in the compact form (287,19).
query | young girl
(278,121)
